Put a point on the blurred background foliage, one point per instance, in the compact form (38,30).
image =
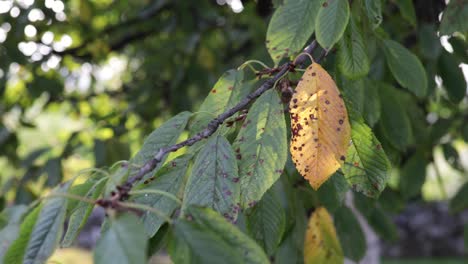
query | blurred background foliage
(83,81)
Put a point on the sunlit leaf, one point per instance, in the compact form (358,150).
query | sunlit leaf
(320,126)
(321,243)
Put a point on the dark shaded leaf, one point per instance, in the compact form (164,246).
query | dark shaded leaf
(290,27)
(413,175)
(266,222)
(331,22)
(406,68)
(352,57)
(351,236)
(214,181)
(452,77)
(124,242)
(460,201)
(454,18)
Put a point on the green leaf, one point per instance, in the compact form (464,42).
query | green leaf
(407,11)
(124,242)
(374,12)
(260,148)
(394,121)
(331,22)
(165,135)
(53,168)
(206,229)
(460,201)
(81,212)
(460,48)
(413,175)
(372,106)
(333,192)
(290,27)
(48,229)
(170,178)
(464,132)
(367,167)
(351,236)
(429,42)
(452,77)
(354,93)
(406,68)
(41,230)
(352,57)
(13,249)
(291,249)
(376,217)
(229,90)
(454,18)
(267,222)
(214,181)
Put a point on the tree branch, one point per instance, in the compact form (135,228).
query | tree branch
(122,191)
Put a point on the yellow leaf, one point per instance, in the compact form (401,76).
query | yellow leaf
(320,126)
(321,243)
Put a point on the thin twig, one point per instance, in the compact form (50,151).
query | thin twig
(122,192)
(145,208)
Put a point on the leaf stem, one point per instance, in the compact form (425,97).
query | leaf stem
(247,63)
(146,208)
(70,196)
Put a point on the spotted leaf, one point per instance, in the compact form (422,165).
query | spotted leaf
(320,126)
(321,243)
